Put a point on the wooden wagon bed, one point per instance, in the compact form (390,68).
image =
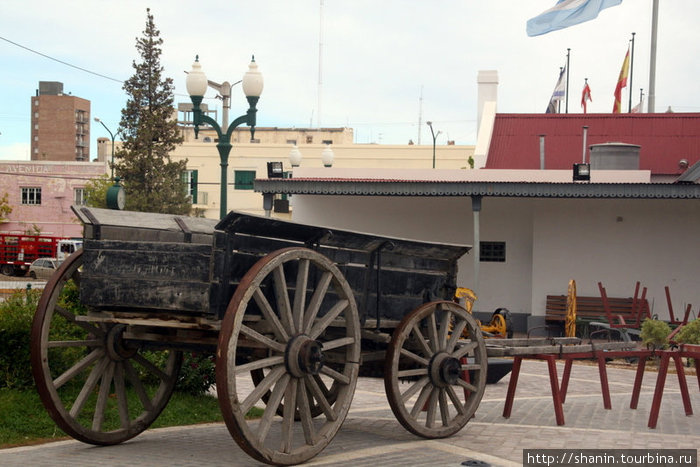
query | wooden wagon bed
(295,309)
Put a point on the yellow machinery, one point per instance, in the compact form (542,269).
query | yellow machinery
(499,326)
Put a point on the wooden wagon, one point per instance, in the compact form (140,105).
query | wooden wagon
(291,311)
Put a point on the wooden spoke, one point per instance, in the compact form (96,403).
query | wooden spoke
(120,390)
(422,399)
(413,372)
(444,408)
(467,386)
(263,363)
(321,396)
(89,385)
(92,329)
(332,314)
(282,295)
(444,327)
(305,412)
(105,386)
(425,340)
(336,343)
(77,368)
(291,376)
(466,349)
(92,362)
(414,388)
(414,357)
(256,336)
(456,334)
(270,316)
(290,403)
(433,340)
(78,343)
(315,303)
(262,388)
(421,341)
(300,295)
(271,409)
(341,378)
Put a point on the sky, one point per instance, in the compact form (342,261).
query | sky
(386,65)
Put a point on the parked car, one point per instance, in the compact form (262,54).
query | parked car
(43,268)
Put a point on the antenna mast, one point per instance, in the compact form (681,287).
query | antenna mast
(420,113)
(320,63)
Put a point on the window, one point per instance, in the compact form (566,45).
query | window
(203,197)
(31,196)
(492,252)
(327,141)
(309,139)
(79,196)
(291,141)
(244,179)
(189,177)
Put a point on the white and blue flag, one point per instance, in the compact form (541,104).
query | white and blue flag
(567,13)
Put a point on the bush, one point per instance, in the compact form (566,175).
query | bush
(690,333)
(655,333)
(16,314)
(197,374)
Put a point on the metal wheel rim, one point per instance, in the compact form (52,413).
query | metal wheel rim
(301,436)
(104,372)
(428,407)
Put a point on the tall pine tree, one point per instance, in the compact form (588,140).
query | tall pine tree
(153,182)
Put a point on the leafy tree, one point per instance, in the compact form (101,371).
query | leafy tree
(5,208)
(96,191)
(153,182)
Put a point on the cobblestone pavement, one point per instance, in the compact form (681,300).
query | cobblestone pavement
(371,435)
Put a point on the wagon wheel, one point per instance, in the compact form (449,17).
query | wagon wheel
(98,387)
(570,324)
(305,337)
(438,399)
(505,321)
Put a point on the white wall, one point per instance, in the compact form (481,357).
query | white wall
(548,242)
(444,219)
(618,242)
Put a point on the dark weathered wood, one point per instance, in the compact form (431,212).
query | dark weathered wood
(238,223)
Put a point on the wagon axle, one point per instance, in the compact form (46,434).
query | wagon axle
(444,370)
(304,356)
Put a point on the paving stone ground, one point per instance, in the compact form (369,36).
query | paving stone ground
(371,436)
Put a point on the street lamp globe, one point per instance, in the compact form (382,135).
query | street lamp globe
(196,81)
(327,156)
(295,156)
(252,80)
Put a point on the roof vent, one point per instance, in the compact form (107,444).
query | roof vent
(615,156)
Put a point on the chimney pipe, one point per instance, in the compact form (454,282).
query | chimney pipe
(542,152)
(585,134)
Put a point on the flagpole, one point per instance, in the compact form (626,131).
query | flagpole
(629,106)
(652,58)
(568,53)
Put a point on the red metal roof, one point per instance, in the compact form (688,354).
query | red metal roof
(664,138)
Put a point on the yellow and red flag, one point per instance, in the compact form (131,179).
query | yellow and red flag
(621,83)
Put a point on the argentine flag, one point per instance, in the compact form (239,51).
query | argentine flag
(567,13)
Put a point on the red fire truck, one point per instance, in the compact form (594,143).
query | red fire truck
(18,251)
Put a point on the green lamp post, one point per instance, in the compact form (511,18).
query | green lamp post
(197,84)
(116,196)
(435,135)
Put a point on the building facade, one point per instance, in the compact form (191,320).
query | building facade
(60,125)
(41,194)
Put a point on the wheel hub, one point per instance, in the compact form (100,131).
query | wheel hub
(117,348)
(304,356)
(444,370)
